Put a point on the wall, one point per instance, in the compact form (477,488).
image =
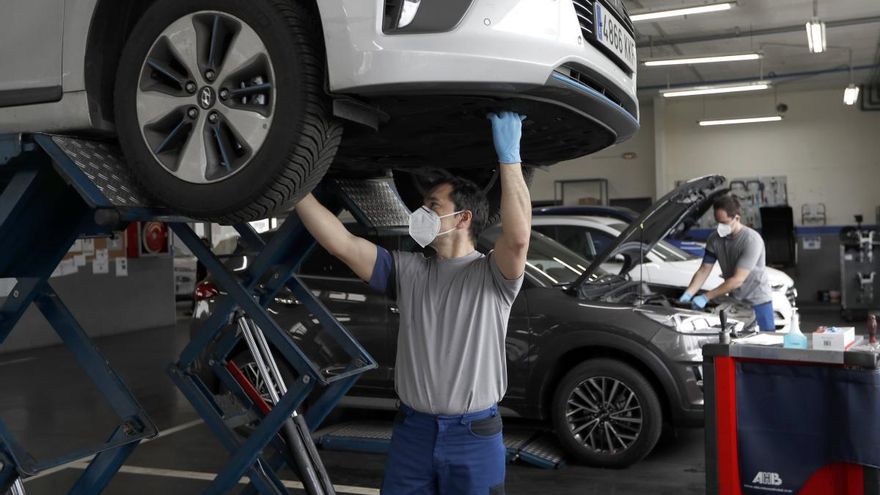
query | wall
(626,178)
(829,152)
(105,304)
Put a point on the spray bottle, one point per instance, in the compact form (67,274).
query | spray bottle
(795,339)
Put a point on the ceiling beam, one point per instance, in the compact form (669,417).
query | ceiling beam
(739,33)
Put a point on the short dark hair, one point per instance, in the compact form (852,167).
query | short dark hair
(466,195)
(729,203)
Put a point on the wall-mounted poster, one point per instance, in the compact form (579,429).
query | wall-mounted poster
(753,193)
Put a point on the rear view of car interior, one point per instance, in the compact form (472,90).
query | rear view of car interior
(439,247)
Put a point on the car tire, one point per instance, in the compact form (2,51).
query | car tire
(637,427)
(414,185)
(255,136)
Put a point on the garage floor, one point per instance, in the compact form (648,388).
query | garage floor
(53,408)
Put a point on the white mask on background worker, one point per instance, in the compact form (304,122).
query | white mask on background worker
(725,229)
(424,225)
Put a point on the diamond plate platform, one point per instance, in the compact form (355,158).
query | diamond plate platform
(103,163)
(375,202)
(531,446)
(543,451)
(372,437)
(99,173)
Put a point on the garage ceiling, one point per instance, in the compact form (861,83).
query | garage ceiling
(774,27)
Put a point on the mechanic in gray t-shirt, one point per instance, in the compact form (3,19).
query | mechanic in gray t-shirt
(451,369)
(740,252)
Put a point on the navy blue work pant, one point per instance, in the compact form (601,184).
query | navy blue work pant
(765,316)
(439,454)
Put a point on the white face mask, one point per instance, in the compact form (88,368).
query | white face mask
(725,229)
(424,225)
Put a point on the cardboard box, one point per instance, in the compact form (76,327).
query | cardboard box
(834,338)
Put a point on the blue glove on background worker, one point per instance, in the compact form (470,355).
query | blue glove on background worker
(700,302)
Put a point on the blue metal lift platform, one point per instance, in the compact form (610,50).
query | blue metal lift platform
(56,189)
(532,446)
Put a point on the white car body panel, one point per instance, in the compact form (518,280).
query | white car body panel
(30,55)
(522,43)
(66,58)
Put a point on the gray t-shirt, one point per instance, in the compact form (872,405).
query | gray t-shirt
(453,323)
(744,250)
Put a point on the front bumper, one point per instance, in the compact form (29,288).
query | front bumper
(435,89)
(500,46)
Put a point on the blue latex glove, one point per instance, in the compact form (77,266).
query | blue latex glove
(506,132)
(685,298)
(700,302)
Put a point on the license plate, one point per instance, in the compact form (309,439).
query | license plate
(611,34)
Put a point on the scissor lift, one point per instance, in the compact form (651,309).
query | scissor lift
(55,189)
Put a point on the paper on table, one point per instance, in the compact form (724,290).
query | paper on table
(762,338)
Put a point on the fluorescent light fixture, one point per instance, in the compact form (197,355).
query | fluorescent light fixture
(747,120)
(696,9)
(851,94)
(702,60)
(816,36)
(715,90)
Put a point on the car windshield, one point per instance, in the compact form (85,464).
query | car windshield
(663,250)
(549,261)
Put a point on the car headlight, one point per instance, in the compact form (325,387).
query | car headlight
(692,322)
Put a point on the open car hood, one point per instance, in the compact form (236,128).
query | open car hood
(691,198)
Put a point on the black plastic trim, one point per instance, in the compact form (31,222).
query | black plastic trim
(18,97)
(433,16)
(591,104)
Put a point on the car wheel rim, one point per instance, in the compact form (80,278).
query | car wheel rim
(206,97)
(604,415)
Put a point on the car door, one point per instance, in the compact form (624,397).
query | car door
(360,309)
(518,347)
(31,51)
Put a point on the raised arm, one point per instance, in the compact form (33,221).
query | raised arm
(358,253)
(516,204)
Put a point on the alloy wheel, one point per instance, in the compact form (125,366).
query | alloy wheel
(206,97)
(604,415)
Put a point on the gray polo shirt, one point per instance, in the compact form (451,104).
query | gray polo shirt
(453,323)
(743,250)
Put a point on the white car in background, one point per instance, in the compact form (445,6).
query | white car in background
(664,264)
(232,110)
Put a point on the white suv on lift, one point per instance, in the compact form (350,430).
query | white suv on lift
(232,109)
